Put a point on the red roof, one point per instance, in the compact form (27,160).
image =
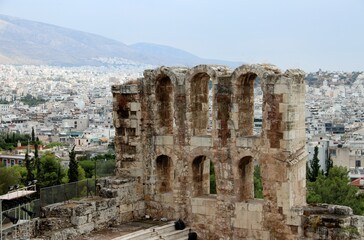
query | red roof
(359,182)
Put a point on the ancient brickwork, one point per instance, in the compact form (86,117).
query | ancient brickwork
(188,119)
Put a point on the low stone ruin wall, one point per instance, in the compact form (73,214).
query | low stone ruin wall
(332,222)
(118,202)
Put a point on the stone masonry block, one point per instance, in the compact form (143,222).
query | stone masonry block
(134,106)
(255,220)
(164,140)
(201,141)
(281,88)
(79,220)
(199,210)
(255,207)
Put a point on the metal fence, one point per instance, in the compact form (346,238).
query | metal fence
(23,211)
(68,191)
(16,221)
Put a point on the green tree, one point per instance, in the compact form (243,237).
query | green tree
(9,143)
(335,189)
(55,144)
(37,161)
(51,171)
(258,186)
(8,176)
(81,175)
(22,173)
(88,166)
(107,168)
(33,135)
(73,166)
(29,167)
(313,167)
(32,101)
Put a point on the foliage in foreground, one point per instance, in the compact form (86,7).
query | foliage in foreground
(335,189)
(9,176)
(258,185)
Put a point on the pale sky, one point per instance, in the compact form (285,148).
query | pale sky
(306,34)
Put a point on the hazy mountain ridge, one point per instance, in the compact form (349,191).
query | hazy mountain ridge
(30,42)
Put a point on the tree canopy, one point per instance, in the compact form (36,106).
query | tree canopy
(8,176)
(51,171)
(9,141)
(31,100)
(335,189)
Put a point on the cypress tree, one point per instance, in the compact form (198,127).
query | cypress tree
(313,167)
(73,166)
(33,135)
(28,166)
(37,160)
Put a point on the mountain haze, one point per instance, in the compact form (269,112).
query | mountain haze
(30,42)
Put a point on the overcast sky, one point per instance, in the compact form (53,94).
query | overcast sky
(306,34)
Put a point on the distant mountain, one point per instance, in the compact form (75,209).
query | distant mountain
(162,55)
(29,42)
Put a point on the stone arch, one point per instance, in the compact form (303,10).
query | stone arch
(200,80)
(164,94)
(165,71)
(244,79)
(163,174)
(201,176)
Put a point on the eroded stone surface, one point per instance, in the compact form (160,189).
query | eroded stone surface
(187,120)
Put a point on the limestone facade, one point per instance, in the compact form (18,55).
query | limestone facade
(175,122)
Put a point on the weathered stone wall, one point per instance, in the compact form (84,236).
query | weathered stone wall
(189,119)
(119,202)
(332,222)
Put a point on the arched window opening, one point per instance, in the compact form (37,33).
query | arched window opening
(200,104)
(246,188)
(210,101)
(212,179)
(201,176)
(245,98)
(164,97)
(163,181)
(258,107)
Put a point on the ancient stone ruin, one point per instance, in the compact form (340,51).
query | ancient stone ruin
(177,127)
(174,123)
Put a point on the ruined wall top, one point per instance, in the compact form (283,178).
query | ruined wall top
(220,101)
